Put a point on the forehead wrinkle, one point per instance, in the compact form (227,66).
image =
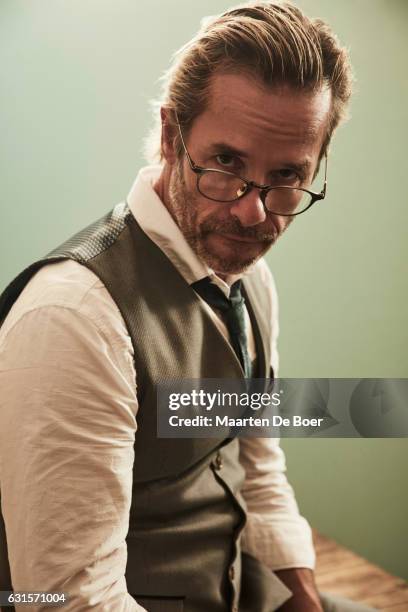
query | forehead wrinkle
(260,109)
(274,122)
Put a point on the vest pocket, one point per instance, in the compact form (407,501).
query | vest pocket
(160,604)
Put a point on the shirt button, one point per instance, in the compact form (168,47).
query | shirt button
(231,572)
(218,462)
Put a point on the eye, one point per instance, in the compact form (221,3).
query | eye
(226,160)
(288,174)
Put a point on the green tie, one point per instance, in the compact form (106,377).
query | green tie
(233,312)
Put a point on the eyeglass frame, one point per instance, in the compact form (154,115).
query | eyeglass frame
(249,185)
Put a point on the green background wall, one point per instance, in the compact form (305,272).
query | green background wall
(76,79)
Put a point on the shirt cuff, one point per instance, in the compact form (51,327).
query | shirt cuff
(280,542)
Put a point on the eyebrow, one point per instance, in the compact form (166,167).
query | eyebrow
(300,167)
(228,149)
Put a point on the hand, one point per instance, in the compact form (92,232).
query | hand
(302,584)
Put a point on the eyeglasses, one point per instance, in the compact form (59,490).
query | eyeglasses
(224,186)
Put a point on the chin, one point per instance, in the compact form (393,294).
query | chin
(229,266)
(231,261)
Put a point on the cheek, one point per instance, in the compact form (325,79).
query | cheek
(205,210)
(200,208)
(217,211)
(285,223)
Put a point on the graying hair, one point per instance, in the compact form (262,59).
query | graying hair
(271,40)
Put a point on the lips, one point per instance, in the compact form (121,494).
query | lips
(239,238)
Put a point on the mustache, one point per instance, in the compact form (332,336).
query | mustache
(233,226)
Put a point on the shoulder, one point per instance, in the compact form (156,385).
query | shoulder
(68,291)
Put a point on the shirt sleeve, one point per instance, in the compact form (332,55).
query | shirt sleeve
(275,532)
(67,422)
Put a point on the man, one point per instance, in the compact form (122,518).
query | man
(94,503)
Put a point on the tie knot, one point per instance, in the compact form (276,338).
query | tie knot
(215,297)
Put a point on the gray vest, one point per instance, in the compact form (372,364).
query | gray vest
(187,512)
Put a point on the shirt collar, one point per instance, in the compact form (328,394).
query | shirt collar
(156,221)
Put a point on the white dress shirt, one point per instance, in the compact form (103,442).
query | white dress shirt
(68,417)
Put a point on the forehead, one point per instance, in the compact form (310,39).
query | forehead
(249,114)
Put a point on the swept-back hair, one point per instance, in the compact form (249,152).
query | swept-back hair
(271,40)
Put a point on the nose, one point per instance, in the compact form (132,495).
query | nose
(249,210)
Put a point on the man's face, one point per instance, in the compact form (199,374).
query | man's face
(268,136)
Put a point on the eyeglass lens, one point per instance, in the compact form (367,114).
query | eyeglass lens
(227,188)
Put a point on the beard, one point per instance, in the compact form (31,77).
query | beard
(237,257)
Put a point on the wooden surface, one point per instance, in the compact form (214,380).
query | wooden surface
(340,571)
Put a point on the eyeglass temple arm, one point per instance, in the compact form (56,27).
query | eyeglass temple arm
(325,174)
(190,161)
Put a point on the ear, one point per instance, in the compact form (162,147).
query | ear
(168,135)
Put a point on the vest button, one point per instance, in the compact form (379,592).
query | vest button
(217,463)
(231,572)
